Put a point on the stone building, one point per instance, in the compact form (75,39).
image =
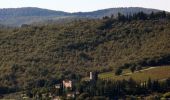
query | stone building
(93,76)
(67,84)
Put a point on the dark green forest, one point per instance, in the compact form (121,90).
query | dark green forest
(38,55)
(109,90)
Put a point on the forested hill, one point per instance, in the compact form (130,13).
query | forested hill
(28,15)
(33,56)
(29,11)
(115,11)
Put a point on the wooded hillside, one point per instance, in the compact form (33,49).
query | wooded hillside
(39,55)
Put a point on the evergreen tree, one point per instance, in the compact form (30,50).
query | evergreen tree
(118,71)
(121,17)
(152,15)
(149,84)
(132,68)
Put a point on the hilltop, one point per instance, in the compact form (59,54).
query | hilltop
(29,15)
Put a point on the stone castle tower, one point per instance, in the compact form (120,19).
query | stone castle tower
(93,76)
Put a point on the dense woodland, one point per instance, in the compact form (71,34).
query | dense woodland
(32,56)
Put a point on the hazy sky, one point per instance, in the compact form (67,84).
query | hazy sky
(85,5)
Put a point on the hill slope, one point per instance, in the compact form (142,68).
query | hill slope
(114,11)
(28,15)
(155,73)
(38,55)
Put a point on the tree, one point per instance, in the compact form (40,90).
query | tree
(118,71)
(156,86)
(83,96)
(166,95)
(163,14)
(132,68)
(152,15)
(168,16)
(105,17)
(142,16)
(149,83)
(121,17)
(138,68)
(168,82)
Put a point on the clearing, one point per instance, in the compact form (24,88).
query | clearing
(155,73)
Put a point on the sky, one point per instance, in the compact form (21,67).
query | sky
(85,5)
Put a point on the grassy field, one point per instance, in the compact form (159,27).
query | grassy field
(155,73)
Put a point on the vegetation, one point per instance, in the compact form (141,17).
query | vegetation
(118,71)
(123,89)
(29,15)
(155,73)
(109,90)
(39,56)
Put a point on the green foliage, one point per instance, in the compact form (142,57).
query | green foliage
(118,71)
(39,56)
(167,95)
(83,96)
(132,68)
(125,88)
(155,73)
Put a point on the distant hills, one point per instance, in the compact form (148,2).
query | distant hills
(114,11)
(28,15)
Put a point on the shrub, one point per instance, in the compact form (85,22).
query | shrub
(118,71)
(167,95)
